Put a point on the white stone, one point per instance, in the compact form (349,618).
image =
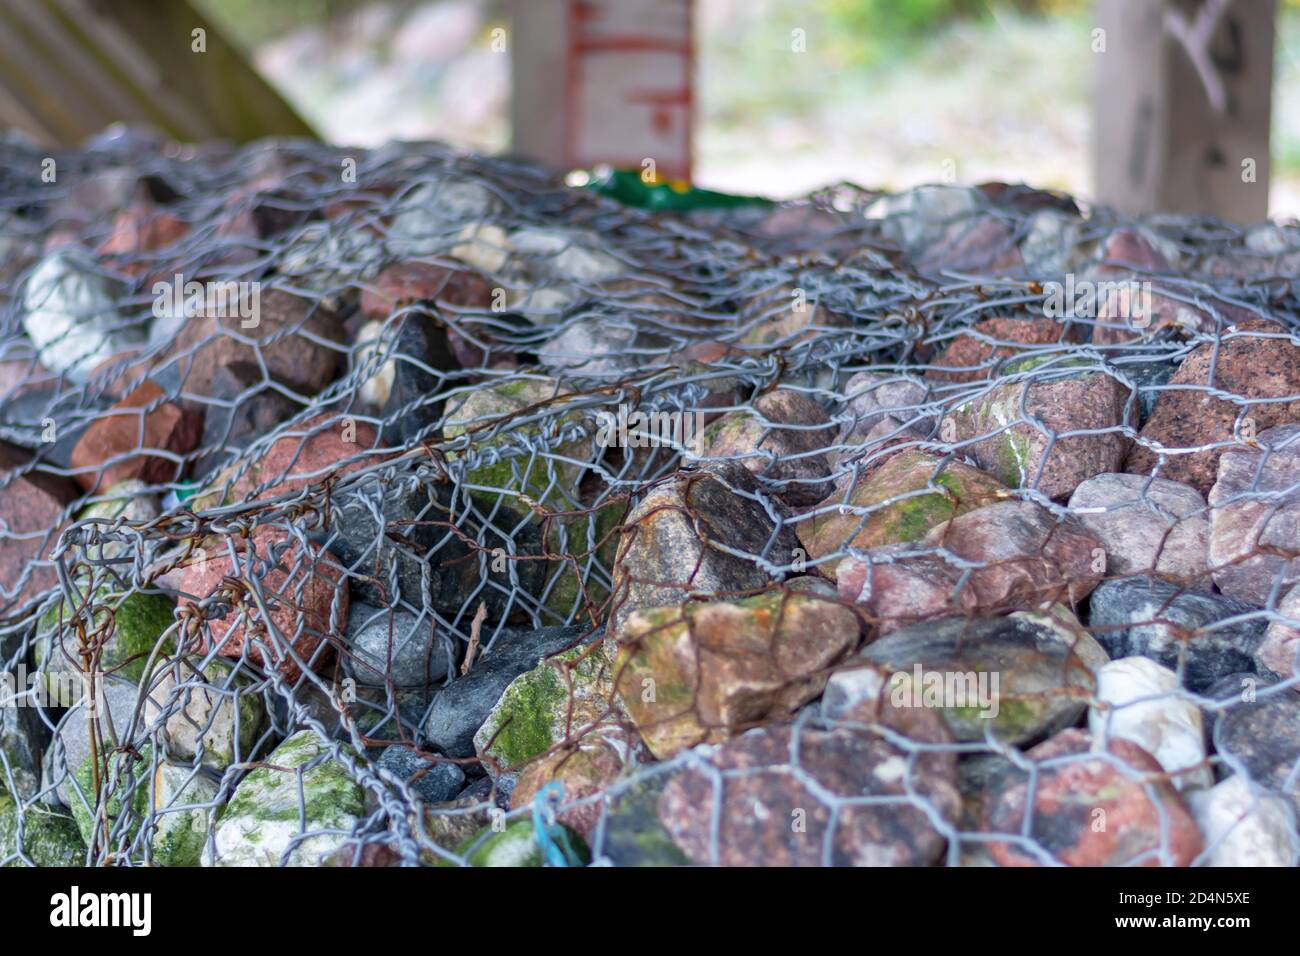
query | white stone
(849,687)
(485,247)
(1245,829)
(264,821)
(378,385)
(429,218)
(1142,704)
(70,313)
(565,254)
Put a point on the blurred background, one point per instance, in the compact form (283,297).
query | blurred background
(889,90)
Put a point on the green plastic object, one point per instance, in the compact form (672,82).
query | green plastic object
(629,187)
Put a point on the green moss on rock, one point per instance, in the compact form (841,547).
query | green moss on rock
(49,838)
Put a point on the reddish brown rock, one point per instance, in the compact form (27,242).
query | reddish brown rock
(1050,431)
(910,493)
(304,593)
(705,671)
(692,534)
(1253,360)
(1129,312)
(1126,251)
(31,519)
(328,444)
(757,439)
(140,229)
(1026,198)
(290,334)
(775,783)
(1255,517)
(976,354)
(407,282)
(589,767)
(1116,809)
(115,447)
(1025,559)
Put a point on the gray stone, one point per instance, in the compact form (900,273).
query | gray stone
(441,780)
(1167,623)
(1147,525)
(71,745)
(402,647)
(428,218)
(460,708)
(1255,522)
(600,346)
(1258,733)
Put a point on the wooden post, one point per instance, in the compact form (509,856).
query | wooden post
(1182,106)
(603,81)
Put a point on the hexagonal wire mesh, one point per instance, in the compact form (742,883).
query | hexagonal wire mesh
(418,421)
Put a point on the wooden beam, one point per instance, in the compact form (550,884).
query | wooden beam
(69,68)
(1182,106)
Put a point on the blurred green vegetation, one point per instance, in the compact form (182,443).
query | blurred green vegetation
(872,32)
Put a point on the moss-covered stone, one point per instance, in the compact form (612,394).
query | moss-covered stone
(157,792)
(534,712)
(901,512)
(577,536)
(1014,431)
(516,845)
(212,712)
(542,479)
(138,620)
(49,838)
(275,805)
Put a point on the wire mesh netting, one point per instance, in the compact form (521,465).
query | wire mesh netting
(415,507)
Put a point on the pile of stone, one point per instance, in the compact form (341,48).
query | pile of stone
(414,507)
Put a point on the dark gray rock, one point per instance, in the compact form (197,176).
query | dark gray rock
(419,352)
(1150,379)
(460,708)
(1258,734)
(634,836)
(388,561)
(23,739)
(485,788)
(441,780)
(1147,617)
